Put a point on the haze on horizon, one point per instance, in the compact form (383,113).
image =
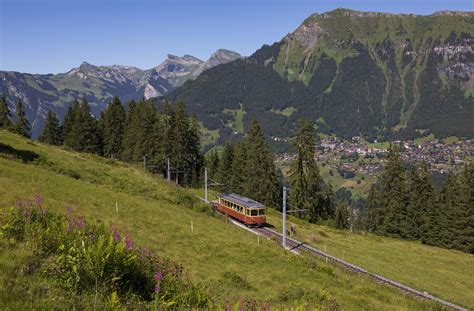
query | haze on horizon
(52,36)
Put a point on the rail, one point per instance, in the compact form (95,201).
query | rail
(295,245)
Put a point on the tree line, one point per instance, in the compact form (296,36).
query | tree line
(404,204)
(141,133)
(247,167)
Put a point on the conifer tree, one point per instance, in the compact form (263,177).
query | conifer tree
(342,216)
(308,190)
(394,196)
(88,129)
(112,124)
(81,129)
(131,128)
(68,123)
(195,157)
(465,221)
(424,219)
(52,133)
(5,116)
(212,163)
(22,125)
(451,204)
(225,166)
(238,176)
(262,183)
(375,214)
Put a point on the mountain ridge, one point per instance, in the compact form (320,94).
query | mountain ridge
(99,83)
(353,73)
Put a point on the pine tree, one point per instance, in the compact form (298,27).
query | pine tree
(112,125)
(68,123)
(89,132)
(342,216)
(394,196)
(4,113)
(238,176)
(131,128)
(465,222)
(212,163)
(81,129)
(195,157)
(22,126)
(308,190)
(262,183)
(225,166)
(52,133)
(424,219)
(375,214)
(458,201)
(451,204)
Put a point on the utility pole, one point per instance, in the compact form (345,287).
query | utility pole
(168,173)
(205,185)
(283,243)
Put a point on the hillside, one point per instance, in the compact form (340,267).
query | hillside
(375,74)
(153,212)
(99,84)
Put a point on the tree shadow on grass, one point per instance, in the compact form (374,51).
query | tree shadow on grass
(13,154)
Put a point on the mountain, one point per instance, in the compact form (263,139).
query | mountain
(98,84)
(354,73)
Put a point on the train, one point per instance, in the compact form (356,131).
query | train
(245,210)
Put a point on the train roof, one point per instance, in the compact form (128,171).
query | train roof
(249,203)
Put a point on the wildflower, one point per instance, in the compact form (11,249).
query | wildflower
(158,276)
(81,223)
(116,234)
(157,288)
(128,241)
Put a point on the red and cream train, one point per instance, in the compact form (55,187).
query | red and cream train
(248,211)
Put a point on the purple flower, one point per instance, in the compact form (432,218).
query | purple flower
(157,288)
(128,241)
(116,234)
(158,276)
(38,199)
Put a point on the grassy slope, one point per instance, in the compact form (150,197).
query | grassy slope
(447,274)
(147,210)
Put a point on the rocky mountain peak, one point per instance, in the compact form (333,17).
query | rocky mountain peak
(221,56)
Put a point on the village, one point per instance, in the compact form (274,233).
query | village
(358,156)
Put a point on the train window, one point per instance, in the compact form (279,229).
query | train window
(248,212)
(261,211)
(254,212)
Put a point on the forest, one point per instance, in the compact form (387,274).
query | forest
(402,203)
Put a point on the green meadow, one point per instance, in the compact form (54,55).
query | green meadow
(236,267)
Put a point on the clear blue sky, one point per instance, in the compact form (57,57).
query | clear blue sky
(51,36)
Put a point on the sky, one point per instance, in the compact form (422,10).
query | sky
(52,36)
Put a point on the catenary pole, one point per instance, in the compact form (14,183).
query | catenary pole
(284,218)
(205,185)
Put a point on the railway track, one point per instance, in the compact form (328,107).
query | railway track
(297,246)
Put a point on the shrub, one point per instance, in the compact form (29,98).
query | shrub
(185,198)
(89,257)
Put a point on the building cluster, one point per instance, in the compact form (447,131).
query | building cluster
(361,157)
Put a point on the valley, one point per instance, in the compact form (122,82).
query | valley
(148,207)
